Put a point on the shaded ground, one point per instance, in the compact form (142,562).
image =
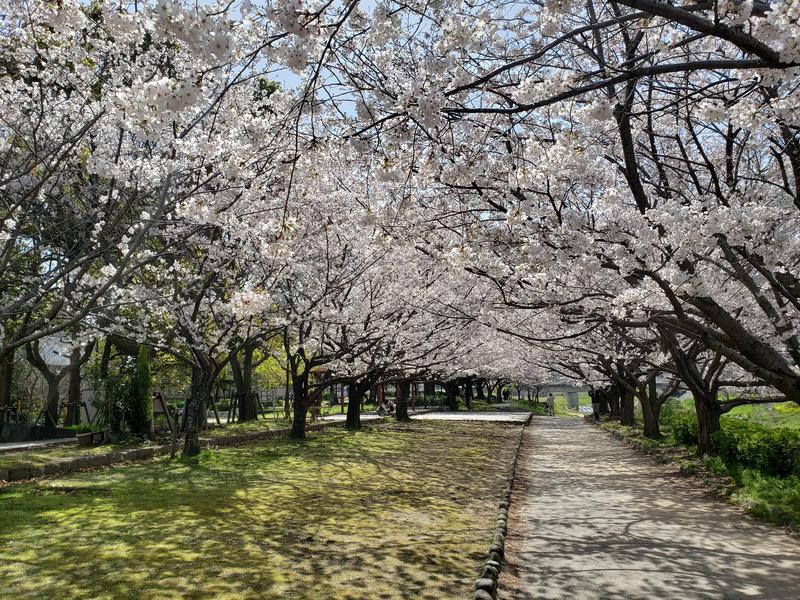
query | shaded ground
(399,511)
(592,519)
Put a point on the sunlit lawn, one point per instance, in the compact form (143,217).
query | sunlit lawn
(43,456)
(783,414)
(398,511)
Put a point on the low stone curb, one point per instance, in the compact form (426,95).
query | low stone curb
(65,465)
(486,584)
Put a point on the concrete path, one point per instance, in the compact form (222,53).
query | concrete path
(506,417)
(591,519)
(35,445)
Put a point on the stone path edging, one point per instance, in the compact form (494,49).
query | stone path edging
(486,584)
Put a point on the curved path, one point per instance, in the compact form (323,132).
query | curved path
(592,519)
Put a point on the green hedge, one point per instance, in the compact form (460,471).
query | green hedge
(682,421)
(740,442)
(773,451)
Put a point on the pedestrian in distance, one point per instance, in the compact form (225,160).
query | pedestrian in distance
(551,405)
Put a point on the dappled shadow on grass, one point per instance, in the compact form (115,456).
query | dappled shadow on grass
(401,511)
(595,520)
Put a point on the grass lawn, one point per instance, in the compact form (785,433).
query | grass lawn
(248,427)
(42,456)
(783,414)
(778,414)
(46,455)
(397,511)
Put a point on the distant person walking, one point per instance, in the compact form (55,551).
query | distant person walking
(594,394)
(551,404)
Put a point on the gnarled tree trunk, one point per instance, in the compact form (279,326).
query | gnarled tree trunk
(651,409)
(626,408)
(300,393)
(197,404)
(451,390)
(708,421)
(356,397)
(612,395)
(6,380)
(243,380)
(401,408)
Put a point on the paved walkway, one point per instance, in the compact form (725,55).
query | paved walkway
(591,519)
(501,416)
(34,445)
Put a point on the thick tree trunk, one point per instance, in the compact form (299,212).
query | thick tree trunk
(614,404)
(356,394)
(196,408)
(650,414)
(299,420)
(479,390)
(51,404)
(626,408)
(243,380)
(451,391)
(301,404)
(401,407)
(602,399)
(379,396)
(499,393)
(651,410)
(468,394)
(52,379)
(6,381)
(708,416)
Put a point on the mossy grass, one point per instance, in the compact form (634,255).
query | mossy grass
(396,511)
(53,454)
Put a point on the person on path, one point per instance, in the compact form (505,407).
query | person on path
(506,395)
(551,405)
(381,409)
(595,396)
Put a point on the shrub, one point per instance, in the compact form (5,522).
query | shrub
(770,451)
(775,499)
(716,465)
(681,420)
(140,407)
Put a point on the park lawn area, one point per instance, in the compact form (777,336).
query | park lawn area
(395,511)
(260,424)
(45,455)
(782,414)
(778,414)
